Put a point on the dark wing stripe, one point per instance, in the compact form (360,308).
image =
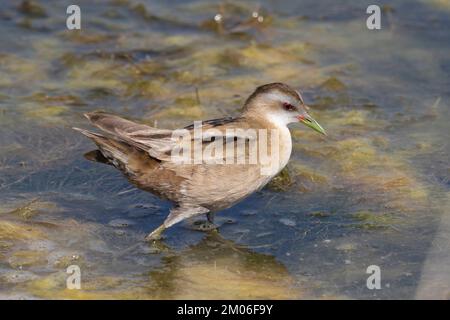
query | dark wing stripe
(214,122)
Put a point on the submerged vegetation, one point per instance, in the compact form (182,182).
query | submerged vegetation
(371,192)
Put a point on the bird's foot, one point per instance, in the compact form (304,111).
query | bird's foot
(203,226)
(156,234)
(153,237)
(156,247)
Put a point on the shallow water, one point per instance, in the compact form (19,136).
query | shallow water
(374,192)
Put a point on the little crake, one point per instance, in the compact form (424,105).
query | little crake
(143,154)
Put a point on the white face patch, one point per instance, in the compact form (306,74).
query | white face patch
(281,118)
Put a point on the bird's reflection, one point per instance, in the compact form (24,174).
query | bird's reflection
(216,268)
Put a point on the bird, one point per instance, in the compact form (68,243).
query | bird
(227,170)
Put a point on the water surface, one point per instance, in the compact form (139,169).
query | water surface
(374,192)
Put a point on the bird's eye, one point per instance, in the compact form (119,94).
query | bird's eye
(287,106)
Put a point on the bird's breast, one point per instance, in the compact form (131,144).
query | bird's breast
(280,151)
(285,147)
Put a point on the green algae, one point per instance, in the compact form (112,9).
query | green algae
(32,9)
(155,88)
(46,113)
(308,178)
(27,258)
(374,221)
(281,182)
(365,192)
(95,74)
(31,208)
(333,84)
(65,261)
(10,230)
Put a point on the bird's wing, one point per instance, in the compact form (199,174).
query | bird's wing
(161,143)
(218,141)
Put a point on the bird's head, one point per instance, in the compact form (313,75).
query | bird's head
(281,105)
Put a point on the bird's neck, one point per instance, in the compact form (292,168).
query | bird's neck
(276,125)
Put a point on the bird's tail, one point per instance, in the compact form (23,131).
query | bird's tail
(110,151)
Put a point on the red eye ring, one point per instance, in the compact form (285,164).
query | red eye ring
(287,106)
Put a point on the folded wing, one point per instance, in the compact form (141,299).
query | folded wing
(216,134)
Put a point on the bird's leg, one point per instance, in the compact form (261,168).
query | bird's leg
(176,215)
(156,234)
(206,225)
(210,216)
